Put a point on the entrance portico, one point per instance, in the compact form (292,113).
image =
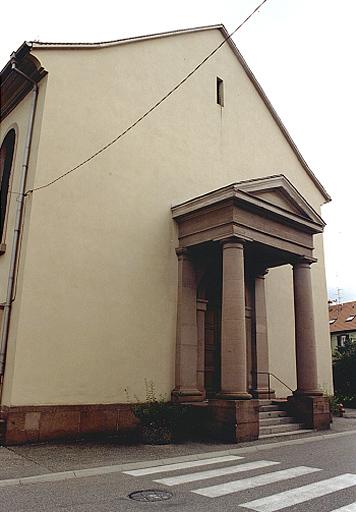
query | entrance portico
(231,237)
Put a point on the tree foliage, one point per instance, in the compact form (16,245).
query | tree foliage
(344,366)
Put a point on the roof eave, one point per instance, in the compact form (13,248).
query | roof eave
(27,46)
(116,42)
(14,86)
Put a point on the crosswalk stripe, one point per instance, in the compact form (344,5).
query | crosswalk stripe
(347,508)
(182,465)
(213,473)
(256,481)
(301,494)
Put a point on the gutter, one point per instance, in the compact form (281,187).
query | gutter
(15,251)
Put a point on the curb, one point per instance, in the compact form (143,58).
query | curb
(103,470)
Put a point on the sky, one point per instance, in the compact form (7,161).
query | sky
(301,51)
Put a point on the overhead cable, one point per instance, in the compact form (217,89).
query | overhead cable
(149,111)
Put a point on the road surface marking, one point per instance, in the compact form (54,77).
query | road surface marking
(255,481)
(347,508)
(181,465)
(301,494)
(213,473)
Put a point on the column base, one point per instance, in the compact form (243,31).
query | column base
(233,395)
(187,395)
(311,392)
(233,421)
(263,393)
(313,411)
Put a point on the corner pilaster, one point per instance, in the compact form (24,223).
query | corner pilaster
(186,385)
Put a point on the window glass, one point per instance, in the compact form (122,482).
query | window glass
(6,157)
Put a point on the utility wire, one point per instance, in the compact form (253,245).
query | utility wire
(148,112)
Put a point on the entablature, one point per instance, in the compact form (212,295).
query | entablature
(268,210)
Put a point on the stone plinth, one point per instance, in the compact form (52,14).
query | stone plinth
(313,411)
(38,424)
(233,421)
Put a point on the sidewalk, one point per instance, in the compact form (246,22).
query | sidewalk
(350,413)
(24,461)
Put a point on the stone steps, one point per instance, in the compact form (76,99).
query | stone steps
(284,434)
(273,414)
(279,420)
(278,429)
(268,408)
(275,421)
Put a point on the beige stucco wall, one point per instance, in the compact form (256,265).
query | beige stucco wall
(280,323)
(18,120)
(98,294)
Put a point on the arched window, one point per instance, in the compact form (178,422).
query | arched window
(6,157)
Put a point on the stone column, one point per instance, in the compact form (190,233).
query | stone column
(233,329)
(201,309)
(307,383)
(262,364)
(186,387)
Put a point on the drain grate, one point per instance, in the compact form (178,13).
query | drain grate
(150,495)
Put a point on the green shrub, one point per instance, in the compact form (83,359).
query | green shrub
(347,400)
(161,421)
(344,369)
(334,405)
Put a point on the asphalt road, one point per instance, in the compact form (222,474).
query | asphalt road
(313,477)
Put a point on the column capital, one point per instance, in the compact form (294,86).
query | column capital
(183,253)
(304,261)
(202,304)
(261,273)
(233,241)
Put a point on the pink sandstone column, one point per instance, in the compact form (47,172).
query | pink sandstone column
(201,309)
(307,383)
(233,329)
(262,363)
(186,386)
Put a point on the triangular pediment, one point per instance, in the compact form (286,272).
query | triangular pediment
(278,191)
(278,198)
(269,211)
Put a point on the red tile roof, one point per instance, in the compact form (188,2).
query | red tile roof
(339,313)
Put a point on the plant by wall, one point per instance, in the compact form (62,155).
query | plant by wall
(344,369)
(161,421)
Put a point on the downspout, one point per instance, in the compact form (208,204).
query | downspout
(17,228)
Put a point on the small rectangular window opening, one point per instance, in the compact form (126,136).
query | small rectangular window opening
(219,91)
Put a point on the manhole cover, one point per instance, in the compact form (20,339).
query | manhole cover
(150,495)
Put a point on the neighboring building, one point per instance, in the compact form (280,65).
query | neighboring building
(342,322)
(199,201)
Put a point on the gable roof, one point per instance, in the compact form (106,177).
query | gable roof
(116,42)
(47,45)
(339,313)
